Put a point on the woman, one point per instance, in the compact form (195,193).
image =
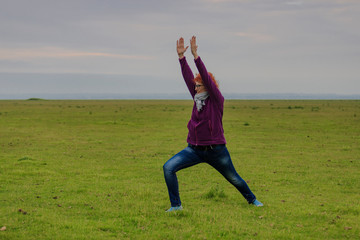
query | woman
(206,141)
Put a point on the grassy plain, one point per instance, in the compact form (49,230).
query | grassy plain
(93,170)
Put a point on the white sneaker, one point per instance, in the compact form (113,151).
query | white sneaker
(172,209)
(257,203)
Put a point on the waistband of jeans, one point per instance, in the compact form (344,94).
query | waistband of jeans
(204,147)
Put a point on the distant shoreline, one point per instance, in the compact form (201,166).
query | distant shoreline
(180,96)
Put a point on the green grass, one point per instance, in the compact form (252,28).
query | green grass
(93,170)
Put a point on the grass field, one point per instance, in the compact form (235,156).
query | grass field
(93,170)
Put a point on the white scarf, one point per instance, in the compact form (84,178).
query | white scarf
(200,100)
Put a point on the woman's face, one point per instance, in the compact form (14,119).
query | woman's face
(199,87)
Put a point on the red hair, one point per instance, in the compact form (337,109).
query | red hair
(198,79)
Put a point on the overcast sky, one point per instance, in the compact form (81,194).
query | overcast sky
(129,46)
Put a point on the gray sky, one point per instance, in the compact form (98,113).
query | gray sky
(129,46)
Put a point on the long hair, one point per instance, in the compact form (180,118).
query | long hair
(198,79)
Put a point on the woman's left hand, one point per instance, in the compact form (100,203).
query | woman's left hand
(193,47)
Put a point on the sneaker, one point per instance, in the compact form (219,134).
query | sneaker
(172,209)
(257,203)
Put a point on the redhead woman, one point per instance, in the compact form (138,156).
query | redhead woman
(206,141)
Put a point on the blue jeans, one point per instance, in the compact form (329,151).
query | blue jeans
(218,157)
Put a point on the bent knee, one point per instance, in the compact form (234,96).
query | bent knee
(166,168)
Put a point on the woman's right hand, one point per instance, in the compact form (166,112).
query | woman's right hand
(181,49)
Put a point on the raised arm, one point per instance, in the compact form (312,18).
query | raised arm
(185,69)
(211,87)
(209,84)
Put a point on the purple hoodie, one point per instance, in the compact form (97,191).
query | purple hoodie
(205,127)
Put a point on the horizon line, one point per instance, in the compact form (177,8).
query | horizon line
(178,96)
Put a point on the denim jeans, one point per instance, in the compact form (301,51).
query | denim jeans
(218,157)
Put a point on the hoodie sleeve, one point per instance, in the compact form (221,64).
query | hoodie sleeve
(187,75)
(211,87)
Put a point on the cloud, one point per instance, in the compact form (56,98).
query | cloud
(284,37)
(295,3)
(257,37)
(223,1)
(53,52)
